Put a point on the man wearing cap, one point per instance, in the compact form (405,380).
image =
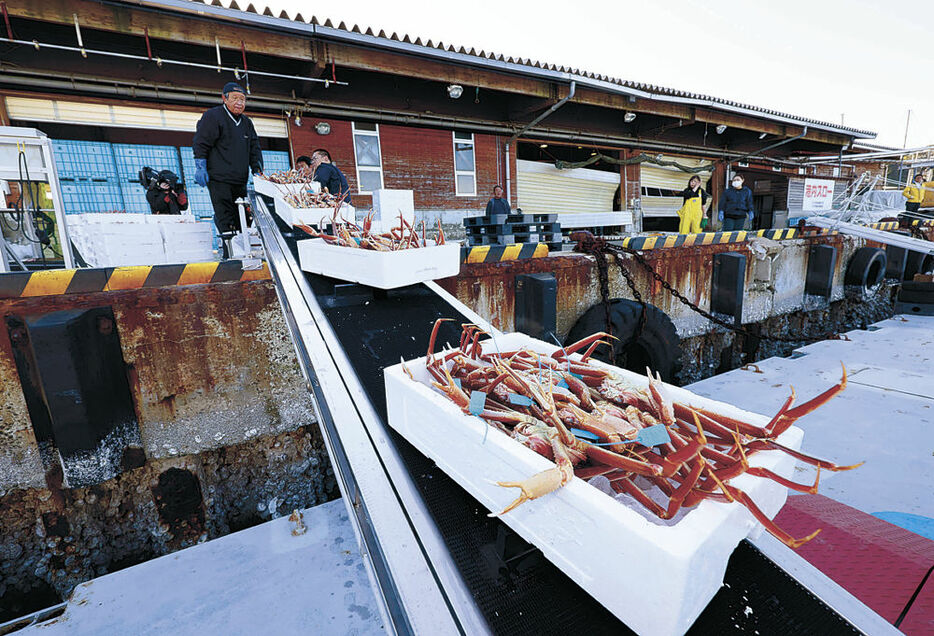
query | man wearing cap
(225,148)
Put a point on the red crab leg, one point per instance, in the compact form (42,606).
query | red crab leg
(434,336)
(779,427)
(787,483)
(626,486)
(677,498)
(773,529)
(602,456)
(767,444)
(580,344)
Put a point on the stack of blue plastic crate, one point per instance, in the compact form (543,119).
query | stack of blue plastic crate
(88,176)
(103,177)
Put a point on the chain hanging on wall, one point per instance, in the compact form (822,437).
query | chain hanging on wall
(599,248)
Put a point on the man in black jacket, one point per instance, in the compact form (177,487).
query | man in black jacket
(328,175)
(225,148)
(736,206)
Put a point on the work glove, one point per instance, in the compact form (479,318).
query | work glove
(749,215)
(201,172)
(720,216)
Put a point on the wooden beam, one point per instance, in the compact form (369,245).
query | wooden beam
(4,114)
(190,29)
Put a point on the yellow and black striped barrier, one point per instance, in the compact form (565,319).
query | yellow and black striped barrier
(704,238)
(77,281)
(500,253)
(894,225)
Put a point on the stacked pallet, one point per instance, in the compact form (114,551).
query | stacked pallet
(510,229)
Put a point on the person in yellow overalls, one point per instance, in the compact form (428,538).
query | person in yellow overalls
(695,204)
(914,195)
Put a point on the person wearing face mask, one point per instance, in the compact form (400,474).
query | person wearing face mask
(914,195)
(735,206)
(226,147)
(692,211)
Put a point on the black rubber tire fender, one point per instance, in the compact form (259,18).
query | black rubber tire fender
(866,268)
(658,346)
(917,263)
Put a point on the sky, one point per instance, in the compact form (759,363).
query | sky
(865,63)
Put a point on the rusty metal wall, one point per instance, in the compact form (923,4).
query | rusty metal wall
(209,366)
(775,276)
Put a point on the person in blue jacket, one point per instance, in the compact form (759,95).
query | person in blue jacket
(735,206)
(328,175)
(226,148)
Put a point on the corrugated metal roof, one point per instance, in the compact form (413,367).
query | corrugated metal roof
(429,45)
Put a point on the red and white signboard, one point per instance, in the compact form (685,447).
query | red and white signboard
(818,195)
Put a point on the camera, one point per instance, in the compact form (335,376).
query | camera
(149,178)
(164,192)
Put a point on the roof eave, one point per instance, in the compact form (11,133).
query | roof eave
(400,46)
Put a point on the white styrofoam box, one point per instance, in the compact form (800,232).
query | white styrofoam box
(309,216)
(388,204)
(109,240)
(386,270)
(656,578)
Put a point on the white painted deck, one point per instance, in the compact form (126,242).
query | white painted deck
(261,580)
(885,416)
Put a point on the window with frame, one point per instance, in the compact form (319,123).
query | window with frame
(367,157)
(465,165)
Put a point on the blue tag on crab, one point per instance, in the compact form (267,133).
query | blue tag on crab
(520,400)
(585,435)
(477,401)
(577,375)
(653,435)
(650,436)
(561,383)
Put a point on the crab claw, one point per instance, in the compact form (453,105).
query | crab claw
(534,487)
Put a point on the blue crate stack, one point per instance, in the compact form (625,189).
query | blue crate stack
(103,177)
(130,159)
(275,160)
(88,175)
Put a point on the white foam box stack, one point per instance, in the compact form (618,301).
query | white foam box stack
(656,578)
(389,204)
(109,240)
(385,270)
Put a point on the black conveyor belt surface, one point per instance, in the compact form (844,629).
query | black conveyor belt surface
(516,588)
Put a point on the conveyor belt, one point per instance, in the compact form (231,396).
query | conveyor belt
(512,588)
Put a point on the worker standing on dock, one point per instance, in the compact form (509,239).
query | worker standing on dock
(736,206)
(225,148)
(497,205)
(692,211)
(914,194)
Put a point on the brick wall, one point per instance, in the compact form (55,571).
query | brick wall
(417,159)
